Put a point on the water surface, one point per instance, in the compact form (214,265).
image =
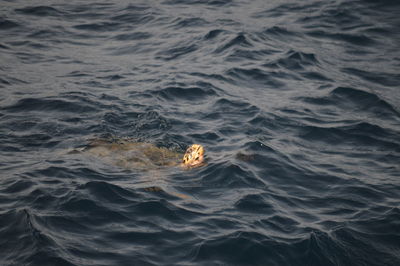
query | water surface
(296,103)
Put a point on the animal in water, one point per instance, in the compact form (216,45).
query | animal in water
(130,154)
(146,158)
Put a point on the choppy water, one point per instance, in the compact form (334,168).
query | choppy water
(296,102)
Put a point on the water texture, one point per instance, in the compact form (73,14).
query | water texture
(297,104)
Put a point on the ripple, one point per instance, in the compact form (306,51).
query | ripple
(190,22)
(40,11)
(107,192)
(188,94)
(239,41)
(254,204)
(255,77)
(80,207)
(347,136)
(133,36)
(200,2)
(298,60)
(33,104)
(247,248)
(7,24)
(177,52)
(18,186)
(385,79)
(347,237)
(356,39)
(295,104)
(230,176)
(98,27)
(213,34)
(135,18)
(363,99)
(44,34)
(355,99)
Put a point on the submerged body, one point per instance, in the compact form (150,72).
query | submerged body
(150,160)
(143,156)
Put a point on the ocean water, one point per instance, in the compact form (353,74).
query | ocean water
(297,104)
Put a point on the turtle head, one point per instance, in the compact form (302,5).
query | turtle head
(194,156)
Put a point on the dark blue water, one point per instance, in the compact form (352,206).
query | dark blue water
(297,104)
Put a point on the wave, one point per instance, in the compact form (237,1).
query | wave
(295,104)
(177,52)
(40,11)
(58,105)
(255,77)
(201,2)
(193,94)
(355,99)
(239,41)
(6,24)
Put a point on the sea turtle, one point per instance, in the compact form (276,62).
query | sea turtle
(150,160)
(129,154)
